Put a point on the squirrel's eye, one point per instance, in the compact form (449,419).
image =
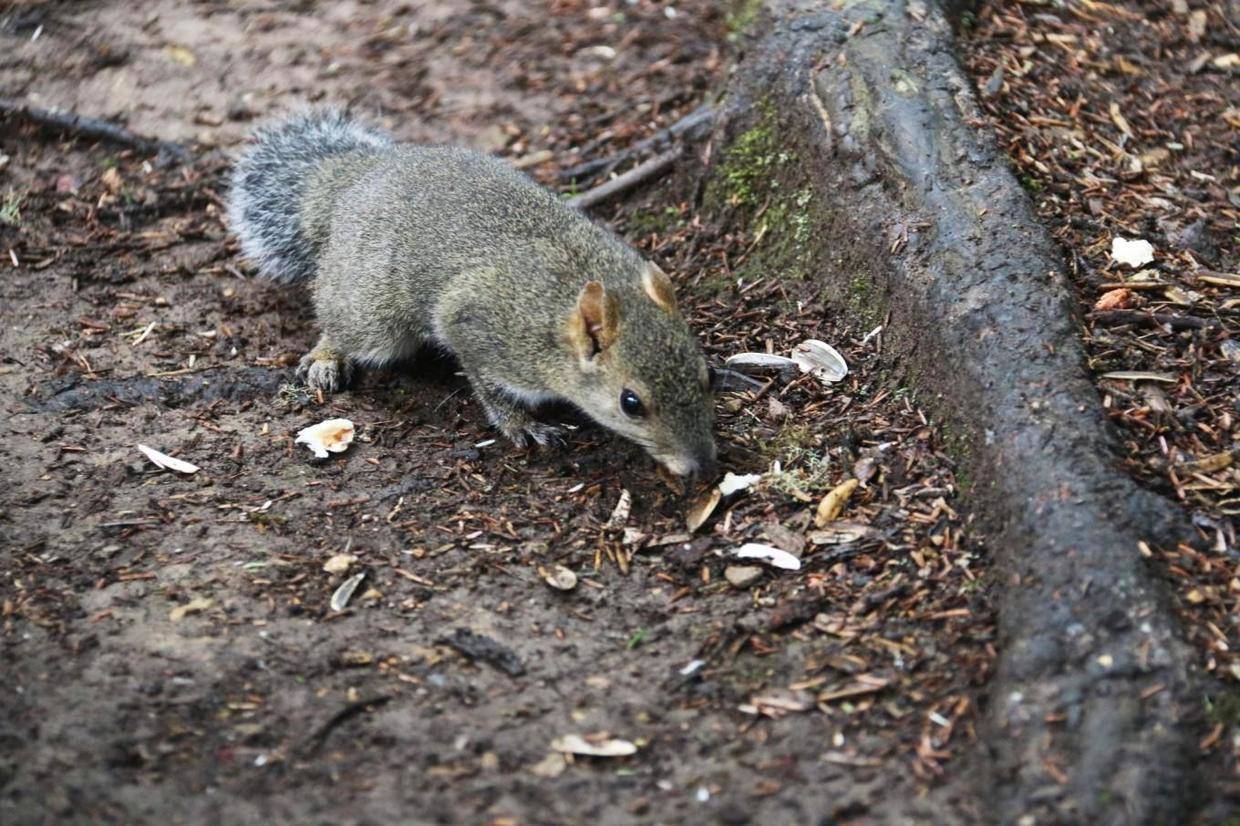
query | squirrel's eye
(631,405)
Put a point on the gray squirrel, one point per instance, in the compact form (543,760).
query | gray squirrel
(405,246)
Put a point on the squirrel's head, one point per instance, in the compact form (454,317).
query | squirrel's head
(642,371)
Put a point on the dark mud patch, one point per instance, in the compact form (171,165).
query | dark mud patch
(75,393)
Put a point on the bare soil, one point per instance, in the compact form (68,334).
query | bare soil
(168,643)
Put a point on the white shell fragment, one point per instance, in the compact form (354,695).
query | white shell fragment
(692,667)
(340,599)
(733,483)
(701,509)
(1135,252)
(339,563)
(821,360)
(333,435)
(769,554)
(167,462)
(620,513)
(759,362)
(559,577)
(576,744)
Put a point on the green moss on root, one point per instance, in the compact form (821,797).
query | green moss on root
(762,184)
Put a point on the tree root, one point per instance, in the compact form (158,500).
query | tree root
(93,129)
(1092,712)
(237,384)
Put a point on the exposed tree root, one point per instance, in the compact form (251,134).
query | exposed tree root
(1091,714)
(694,125)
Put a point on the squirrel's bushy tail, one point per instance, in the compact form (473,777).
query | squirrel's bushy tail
(270,182)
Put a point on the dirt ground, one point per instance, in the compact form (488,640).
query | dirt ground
(168,643)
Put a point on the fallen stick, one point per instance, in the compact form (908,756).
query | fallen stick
(636,176)
(92,128)
(312,744)
(236,384)
(702,117)
(1175,322)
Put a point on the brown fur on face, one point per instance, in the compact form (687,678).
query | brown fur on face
(636,340)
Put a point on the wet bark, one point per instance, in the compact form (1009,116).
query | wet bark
(1091,712)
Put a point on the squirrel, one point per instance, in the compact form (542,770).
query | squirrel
(407,245)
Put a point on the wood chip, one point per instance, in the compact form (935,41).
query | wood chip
(840,533)
(620,513)
(742,576)
(1139,375)
(700,509)
(339,563)
(832,505)
(559,577)
(194,606)
(595,746)
(1220,279)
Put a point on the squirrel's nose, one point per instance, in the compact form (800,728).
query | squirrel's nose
(704,466)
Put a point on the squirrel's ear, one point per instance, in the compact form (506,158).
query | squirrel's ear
(594,325)
(659,288)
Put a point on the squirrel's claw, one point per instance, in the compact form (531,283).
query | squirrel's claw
(513,419)
(325,372)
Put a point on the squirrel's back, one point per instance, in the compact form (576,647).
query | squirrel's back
(270,187)
(434,210)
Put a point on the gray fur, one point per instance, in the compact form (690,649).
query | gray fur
(270,180)
(414,245)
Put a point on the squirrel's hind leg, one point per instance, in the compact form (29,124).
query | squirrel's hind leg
(512,417)
(325,367)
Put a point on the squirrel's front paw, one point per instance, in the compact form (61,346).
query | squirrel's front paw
(521,433)
(328,373)
(546,434)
